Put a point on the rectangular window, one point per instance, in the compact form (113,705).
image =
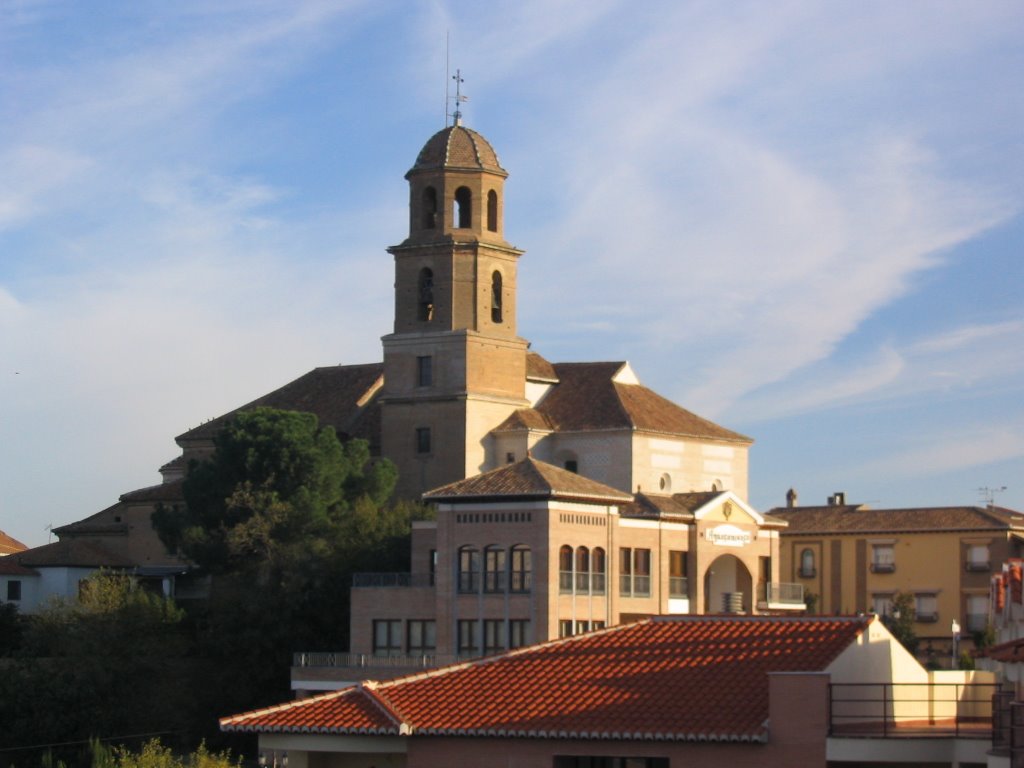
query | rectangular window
(881,604)
(977,557)
(883,558)
(494,570)
(977,613)
(14,590)
(634,572)
(387,637)
(494,635)
(522,569)
(422,439)
(433,567)
(518,633)
(677,567)
(469,637)
(565,628)
(582,626)
(926,607)
(424,371)
(469,570)
(422,637)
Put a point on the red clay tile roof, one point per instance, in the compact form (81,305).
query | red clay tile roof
(525,418)
(81,553)
(860,519)
(9,545)
(682,678)
(1011,652)
(342,396)
(528,478)
(586,398)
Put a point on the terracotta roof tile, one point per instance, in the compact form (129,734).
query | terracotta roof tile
(341,396)
(538,368)
(676,505)
(351,710)
(673,678)
(587,398)
(527,478)
(524,418)
(9,545)
(860,519)
(457,147)
(72,553)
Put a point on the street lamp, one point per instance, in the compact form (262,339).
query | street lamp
(956,641)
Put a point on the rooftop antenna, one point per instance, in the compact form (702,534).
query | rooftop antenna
(448,77)
(988,495)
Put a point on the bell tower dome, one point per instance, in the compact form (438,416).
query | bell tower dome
(454,367)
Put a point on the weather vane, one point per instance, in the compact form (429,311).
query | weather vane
(459,97)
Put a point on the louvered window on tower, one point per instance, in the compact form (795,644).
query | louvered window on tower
(463,208)
(496,313)
(426,295)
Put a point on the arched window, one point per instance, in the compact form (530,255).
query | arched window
(597,571)
(492,211)
(469,569)
(463,208)
(582,570)
(522,569)
(807,569)
(565,569)
(426,295)
(496,297)
(429,208)
(494,569)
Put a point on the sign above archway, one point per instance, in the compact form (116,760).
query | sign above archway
(728,536)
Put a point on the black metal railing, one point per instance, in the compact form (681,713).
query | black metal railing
(920,710)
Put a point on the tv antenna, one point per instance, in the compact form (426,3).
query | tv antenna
(988,495)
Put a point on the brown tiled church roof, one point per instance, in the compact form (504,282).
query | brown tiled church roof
(458,147)
(676,505)
(670,678)
(538,368)
(587,398)
(528,478)
(858,519)
(342,396)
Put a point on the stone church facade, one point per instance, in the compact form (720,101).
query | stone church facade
(585,478)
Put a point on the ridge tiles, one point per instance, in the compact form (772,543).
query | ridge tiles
(672,678)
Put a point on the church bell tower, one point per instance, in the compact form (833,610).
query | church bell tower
(454,367)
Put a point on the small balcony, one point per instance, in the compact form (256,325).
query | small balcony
(780,596)
(911,710)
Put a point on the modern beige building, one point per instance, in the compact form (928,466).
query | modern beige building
(854,559)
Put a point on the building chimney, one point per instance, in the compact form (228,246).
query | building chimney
(791,497)
(837,499)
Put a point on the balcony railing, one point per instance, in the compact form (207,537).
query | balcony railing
(781,593)
(343,659)
(391,580)
(911,710)
(634,585)
(883,567)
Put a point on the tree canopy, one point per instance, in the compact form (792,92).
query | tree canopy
(276,482)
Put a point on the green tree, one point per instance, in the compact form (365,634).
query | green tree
(900,620)
(110,664)
(280,514)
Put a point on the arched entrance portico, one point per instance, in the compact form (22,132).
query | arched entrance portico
(728,586)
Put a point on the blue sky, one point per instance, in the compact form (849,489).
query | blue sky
(804,220)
